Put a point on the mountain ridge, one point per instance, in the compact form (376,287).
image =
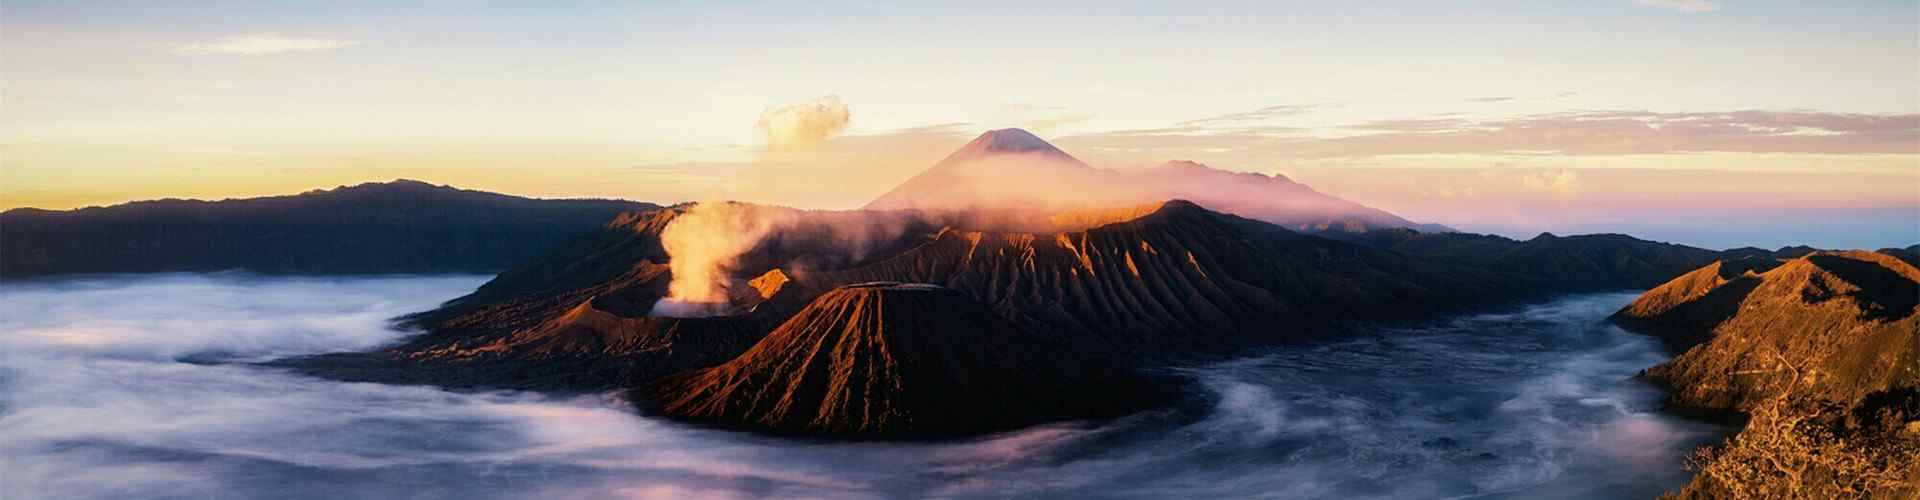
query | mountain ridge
(1816,355)
(395,227)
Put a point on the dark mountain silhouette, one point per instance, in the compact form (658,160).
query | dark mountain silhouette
(396,227)
(1818,354)
(891,360)
(1566,263)
(1011,170)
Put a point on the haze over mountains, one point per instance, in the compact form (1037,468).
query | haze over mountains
(1011,170)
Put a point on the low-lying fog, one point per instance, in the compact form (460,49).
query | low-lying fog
(138,387)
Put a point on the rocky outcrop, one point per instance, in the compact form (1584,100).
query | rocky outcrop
(896,361)
(1844,322)
(1821,351)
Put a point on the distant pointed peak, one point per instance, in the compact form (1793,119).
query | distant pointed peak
(1180,204)
(1179,208)
(1009,140)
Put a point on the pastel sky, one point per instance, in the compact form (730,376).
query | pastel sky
(1716,123)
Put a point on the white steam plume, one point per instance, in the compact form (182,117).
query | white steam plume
(702,245)
(710,243)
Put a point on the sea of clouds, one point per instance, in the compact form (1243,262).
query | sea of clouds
(145,387)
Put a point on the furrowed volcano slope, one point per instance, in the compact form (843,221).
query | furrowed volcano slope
(1178,277)
(890,360)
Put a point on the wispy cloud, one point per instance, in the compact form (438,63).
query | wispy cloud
(1491,99)
(254,45)
(1681,5)
(1040,119)
(1265,113)
(1576,133)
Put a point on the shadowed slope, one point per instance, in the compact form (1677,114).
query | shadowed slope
(888,360)
(1684,311)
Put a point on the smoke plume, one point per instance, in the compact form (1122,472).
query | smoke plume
(703,244)
(713,244)
(805,124)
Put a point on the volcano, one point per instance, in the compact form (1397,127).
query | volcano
(1011,170)
(894,360)
(1132,284)
(1176,276)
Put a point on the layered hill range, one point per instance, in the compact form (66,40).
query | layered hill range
(1012,171)
(1132,286)
(396,227)
(1819,353)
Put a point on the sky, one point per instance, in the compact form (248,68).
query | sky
(1717,123)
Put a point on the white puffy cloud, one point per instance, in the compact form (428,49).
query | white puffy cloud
(805,124)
